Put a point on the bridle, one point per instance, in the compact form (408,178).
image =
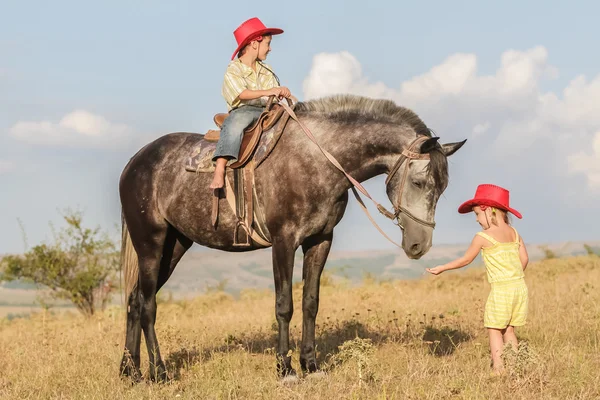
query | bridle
(407,155)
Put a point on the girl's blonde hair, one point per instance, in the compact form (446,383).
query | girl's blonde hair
(502,213)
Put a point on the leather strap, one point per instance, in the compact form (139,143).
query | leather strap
(230,196)
(364,208)
(215,209)
(248,171)
(410,154)
(261,228)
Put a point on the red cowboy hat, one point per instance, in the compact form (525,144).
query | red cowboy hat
(491,196)
(250,30)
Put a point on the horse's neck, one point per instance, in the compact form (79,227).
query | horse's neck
(366,151)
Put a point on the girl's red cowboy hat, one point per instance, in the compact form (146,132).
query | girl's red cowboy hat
(251,30)
(491,196)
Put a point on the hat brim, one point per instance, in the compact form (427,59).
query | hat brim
(268,31)
(467,206)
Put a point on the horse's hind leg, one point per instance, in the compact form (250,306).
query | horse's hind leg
(159,265)
(148,236)
(158,256)
(176,244)
(130,364)
(149,270)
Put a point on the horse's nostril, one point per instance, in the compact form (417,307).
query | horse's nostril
(415,248)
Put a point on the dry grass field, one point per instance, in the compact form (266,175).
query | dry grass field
(420,339)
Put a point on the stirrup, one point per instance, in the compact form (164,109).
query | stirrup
(236,243)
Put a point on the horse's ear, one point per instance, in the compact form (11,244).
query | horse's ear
(429,145)
(450,148)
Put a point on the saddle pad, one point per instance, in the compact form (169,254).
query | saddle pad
(200,159)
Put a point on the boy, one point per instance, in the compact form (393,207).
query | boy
(247,85)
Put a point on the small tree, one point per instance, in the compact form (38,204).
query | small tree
(80,265)
(548,254)
(589,250)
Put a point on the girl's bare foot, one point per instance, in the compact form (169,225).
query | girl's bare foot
(497,372)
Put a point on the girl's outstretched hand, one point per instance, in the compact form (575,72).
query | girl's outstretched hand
(436,270)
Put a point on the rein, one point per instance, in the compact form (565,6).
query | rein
(407,155)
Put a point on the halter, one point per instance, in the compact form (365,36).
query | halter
(407,155)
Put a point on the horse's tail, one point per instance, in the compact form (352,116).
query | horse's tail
(129,261)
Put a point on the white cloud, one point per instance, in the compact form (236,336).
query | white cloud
(517,116)
(588,163)
(77,129)
(6,166)
(451,77)
(340,72)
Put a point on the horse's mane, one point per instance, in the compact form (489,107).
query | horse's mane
(353,108)
(359,109)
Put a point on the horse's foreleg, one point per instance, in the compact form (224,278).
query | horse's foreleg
(316,250)
(283,268)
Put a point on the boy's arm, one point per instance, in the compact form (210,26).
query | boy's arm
(476,244)
(248,94)
(523,256)
(234,89)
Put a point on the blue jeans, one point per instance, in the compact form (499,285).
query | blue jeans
(232,130)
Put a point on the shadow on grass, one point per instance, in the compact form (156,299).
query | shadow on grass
(252,342)
(444,341)
(330,336)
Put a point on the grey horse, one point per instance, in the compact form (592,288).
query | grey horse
(165,209)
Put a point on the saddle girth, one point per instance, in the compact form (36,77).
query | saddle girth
(241,196)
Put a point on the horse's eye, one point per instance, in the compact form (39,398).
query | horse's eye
(418,184)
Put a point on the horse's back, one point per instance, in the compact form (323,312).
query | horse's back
(158,160)
(161,147)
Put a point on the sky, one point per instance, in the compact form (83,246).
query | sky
(83,85)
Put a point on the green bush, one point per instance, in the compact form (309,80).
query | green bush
(79,265)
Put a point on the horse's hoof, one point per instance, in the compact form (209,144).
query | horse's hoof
(132,377)
(163,378)
(160,377)
(291,379)
(129,370)
(309,367)
(315,376)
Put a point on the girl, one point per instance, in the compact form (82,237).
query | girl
(505,258)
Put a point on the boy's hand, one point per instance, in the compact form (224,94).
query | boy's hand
(281,92)
(436,270)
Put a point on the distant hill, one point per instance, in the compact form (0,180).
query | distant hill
(202,269)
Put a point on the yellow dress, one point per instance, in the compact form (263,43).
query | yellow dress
(508,299)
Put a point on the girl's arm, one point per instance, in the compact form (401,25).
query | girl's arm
(476,245)
(523,254)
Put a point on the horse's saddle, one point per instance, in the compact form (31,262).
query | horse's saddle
(257,143)
(252,134)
